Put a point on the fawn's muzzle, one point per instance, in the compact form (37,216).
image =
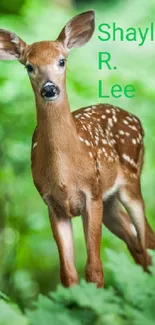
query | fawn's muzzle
(49,91)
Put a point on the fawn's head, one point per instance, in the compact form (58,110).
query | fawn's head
(46,61)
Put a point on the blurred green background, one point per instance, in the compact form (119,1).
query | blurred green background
(29,261)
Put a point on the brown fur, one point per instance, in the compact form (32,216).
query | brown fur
(51,51)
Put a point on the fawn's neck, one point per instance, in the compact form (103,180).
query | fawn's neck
(55,126)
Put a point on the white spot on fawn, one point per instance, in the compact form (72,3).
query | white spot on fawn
(129,118)
(135,119)
(129,160)
(81,139)
(134,141)
(87,115)
(88,109)
(35,144)
(108,111)
(87,142)
(121,132)
(110,122)
(114,118)
(133,127)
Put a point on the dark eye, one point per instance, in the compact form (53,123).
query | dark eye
(29,68)
(62,62)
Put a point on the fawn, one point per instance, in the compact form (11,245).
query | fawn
(86,163)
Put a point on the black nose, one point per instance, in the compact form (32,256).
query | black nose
(49,90)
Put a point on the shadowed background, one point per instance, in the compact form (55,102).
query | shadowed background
(28,253)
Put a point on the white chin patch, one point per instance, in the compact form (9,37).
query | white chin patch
(51,99)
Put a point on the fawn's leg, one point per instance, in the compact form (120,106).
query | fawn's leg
(150,236)
(120,224)
(62,232)
(130,196)
(92,222)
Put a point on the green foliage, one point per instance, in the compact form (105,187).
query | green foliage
(28,253)
(130,301)
(10,314)
(11,7)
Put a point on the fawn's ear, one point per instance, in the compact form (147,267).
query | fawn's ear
(11,46)
(78,30)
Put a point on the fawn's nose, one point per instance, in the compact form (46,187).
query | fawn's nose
(49,91)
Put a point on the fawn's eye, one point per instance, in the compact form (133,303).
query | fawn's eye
(62,63)
(29,68)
